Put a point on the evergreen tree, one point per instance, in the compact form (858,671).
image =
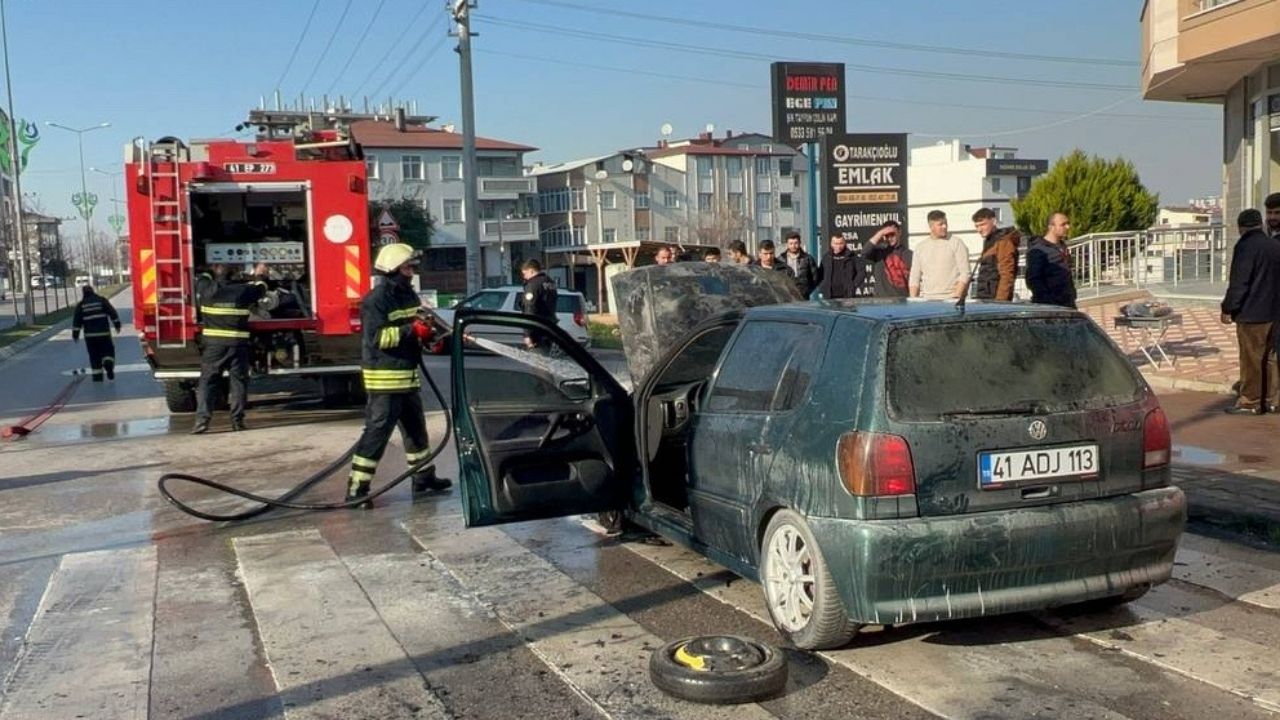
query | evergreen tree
(1097,194)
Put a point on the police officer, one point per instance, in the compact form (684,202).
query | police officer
(225,331)
(94,316)
(539,300)
(393,334)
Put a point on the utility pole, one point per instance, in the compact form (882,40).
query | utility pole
(28,302)
(471,200)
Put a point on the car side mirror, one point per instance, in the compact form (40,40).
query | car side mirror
(454,303)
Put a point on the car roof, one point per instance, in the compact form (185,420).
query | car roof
(517,288)
(903,310)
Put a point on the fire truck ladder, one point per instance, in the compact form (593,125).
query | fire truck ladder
(171,248)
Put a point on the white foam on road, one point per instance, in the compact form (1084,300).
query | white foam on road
(329,651)
(88,650)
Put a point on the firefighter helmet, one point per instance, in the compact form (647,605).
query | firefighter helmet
(392,256)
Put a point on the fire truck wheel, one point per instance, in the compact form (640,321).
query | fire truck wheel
(342,390)
(180,396)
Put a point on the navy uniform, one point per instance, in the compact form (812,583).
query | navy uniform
(539,300)
(392,336)
(224,315)
(95,317)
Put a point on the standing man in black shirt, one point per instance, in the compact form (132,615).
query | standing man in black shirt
(539,300)
(840,271)
(890,261)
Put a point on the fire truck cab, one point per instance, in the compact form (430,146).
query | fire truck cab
(296,204)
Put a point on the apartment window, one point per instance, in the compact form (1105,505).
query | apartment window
(642,201)
(1024,185)
(642,234)
(671,235)
(736,202)
(764,165)
(579,199)
(411,167)
(608,200)
(764,233)
(764,201)
(371,168)
(579,235)
(610,235)
(733,166)
(451,167)
(670,198)
(784,167)
(452,211)
(995,184)
(706,166)
(784,201)
(704,201)
(554,201)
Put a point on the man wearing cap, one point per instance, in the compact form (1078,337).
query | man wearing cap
(393,333)
(1251,303)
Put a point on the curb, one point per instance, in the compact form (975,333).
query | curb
(1231,517)
(1164,382)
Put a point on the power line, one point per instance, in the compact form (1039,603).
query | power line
(302,36)
(873,98)
(837,39)
(746,55)
(404,60)
(356,50)
(327,45)
(391,48)
(414,72)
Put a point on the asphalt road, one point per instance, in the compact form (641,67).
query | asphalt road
(115,605)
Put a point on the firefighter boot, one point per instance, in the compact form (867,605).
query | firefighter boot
(109,365)
(426,481)
(357,489)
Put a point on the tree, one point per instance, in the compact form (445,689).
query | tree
(1097,194)
(717,227)
(416,224)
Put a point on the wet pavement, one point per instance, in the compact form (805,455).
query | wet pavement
(115,605)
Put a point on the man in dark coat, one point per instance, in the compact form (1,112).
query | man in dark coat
(998,266)
(801,264)
(890,261)
(539,299)
(840,273)
(1252,302)
(1049,265)
(95,317)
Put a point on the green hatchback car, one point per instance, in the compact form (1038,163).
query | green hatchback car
(868,462)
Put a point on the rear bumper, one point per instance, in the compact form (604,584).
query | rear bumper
(926,569)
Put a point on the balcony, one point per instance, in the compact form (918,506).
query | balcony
(517,230)
(505,188)
(1197,49)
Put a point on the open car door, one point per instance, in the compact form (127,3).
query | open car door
(539,434)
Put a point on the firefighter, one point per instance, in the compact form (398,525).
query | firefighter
(225,332)
(394,332)
(208,281)
(539,300)
(95,316)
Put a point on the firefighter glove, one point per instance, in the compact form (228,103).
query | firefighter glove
(117,328)
(75,336)
(423,330)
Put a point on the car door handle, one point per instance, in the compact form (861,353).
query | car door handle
(759,449)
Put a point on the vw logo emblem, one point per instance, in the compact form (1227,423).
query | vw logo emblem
(1037,430)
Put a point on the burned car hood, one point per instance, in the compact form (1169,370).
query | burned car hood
(659,305)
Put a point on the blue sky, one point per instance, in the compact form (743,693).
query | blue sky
(577,83)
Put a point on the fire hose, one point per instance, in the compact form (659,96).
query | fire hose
(287,500)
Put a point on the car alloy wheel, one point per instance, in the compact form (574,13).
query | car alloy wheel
(801,596)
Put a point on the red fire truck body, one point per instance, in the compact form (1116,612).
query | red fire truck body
(299,206)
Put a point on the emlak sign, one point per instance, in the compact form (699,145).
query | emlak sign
(865,184)
(808,101)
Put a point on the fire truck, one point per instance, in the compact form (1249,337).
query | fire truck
(296,201)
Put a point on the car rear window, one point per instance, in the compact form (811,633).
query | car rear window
(1043,365)
(570,304)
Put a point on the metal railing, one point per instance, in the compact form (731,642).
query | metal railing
(1168,257)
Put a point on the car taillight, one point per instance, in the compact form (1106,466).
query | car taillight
(875,464)
(579,319)
(1155,440)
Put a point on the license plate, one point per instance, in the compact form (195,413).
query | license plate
(1002,468)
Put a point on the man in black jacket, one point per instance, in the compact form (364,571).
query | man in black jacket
(1252,302)
(224,329)
(539,299)
(801,264)
(840,273)
(890,261)
(1049,265)
(95,316)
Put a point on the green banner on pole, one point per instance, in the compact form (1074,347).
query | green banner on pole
(28,135)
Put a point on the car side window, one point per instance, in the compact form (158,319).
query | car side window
(768,368)
(486,301)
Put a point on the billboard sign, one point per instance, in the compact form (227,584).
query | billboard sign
(865,179)
(808,101)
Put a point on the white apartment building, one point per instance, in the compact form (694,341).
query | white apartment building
(958,179)
(425,164)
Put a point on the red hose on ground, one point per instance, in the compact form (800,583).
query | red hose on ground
(27,426)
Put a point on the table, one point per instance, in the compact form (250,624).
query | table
(1150,332)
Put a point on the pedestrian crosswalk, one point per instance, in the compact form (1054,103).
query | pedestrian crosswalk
(407,614)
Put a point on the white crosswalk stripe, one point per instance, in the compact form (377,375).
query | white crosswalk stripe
(88,650)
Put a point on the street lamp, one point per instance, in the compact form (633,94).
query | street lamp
(115,220)
(85,201)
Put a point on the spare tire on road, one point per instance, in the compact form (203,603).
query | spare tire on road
(719,669)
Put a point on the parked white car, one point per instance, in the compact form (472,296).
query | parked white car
(570,314)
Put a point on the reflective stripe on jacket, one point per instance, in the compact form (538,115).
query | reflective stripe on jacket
(389,351)
(224,315)
(94,316)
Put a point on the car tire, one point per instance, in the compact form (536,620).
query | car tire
(748,671)
(788,549)
(179,396)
